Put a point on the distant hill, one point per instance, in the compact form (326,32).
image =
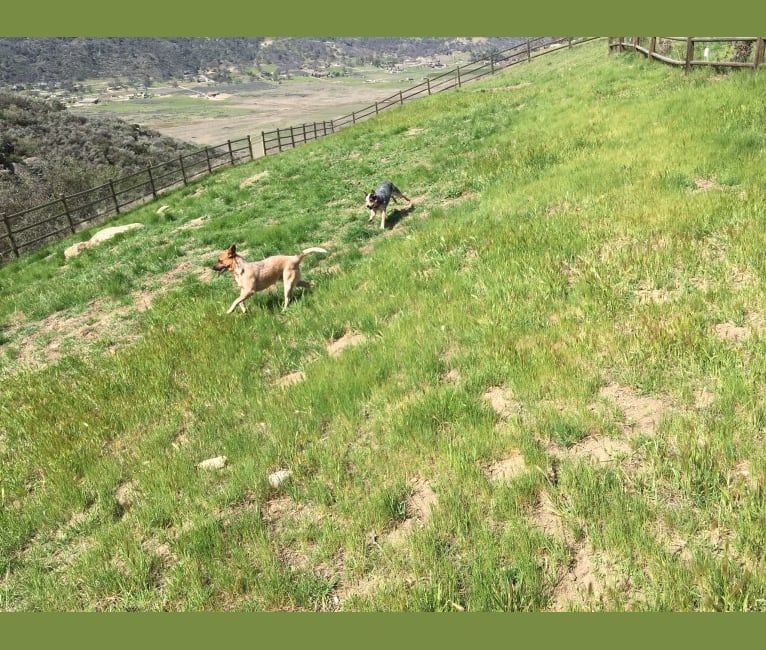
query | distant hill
(46,151)
(72,60)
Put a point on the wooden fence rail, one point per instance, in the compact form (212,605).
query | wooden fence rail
(30,229)
(661,48)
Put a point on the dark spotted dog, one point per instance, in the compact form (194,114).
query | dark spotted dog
(377,201)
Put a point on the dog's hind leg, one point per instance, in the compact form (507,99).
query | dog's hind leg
(290,278)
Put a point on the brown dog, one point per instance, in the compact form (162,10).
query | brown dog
(256,276)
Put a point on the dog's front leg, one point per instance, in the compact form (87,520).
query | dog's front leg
(240,301)
(383,220)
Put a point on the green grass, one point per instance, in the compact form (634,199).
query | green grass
(585,236)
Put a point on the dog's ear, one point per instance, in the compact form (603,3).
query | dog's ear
(232,250)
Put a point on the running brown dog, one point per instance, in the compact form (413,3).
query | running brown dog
(257,276)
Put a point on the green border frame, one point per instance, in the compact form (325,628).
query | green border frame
(381,18)
(286,630)
(384,18)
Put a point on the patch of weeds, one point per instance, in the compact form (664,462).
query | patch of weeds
(564,428)
(392,501)
(674,180)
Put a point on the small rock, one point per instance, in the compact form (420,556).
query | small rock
(125,494)
(279,477)
(219,462)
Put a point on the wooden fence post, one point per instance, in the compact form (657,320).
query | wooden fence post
(492,63)
(66,211)
(401,99)
(279,139)
(376,108)
(652,45)
(759,51)
(689,53)
(292,137)
(207,157)
(428,83)
(10,235)
(263,139)
(353,117)
(151,181)
(458,76)
(183,169)
(250,147)
(332,126)
(114,197)
(231,153)
(305,138)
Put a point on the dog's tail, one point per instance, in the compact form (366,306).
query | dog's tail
(309,251)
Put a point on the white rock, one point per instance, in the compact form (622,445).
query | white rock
(100,236)
(219,462)
(279,477)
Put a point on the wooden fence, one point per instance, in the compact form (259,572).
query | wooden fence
(742,52)
(30,229)
(289,137)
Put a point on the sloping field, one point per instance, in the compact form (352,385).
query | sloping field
(540,388)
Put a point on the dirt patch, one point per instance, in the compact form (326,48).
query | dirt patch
(508,468)
(419,506)
(655,296)
(732,332)
(289,380)
(703,398)
(159,549)
(450,377)
(194,223)
(253,179)
(578,584)
(547,518)
(502,402)
(642,413)
(601,449)
(334,348)
(125,494)
(705,184)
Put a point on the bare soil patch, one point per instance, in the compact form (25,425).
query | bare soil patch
(64,333)
(502,402)
(253,179)
(290,379)
(508,468)
(350,339)
(642,413)
(732,332)
(419,506)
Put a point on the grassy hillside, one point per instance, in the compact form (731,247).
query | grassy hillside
(550,397)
